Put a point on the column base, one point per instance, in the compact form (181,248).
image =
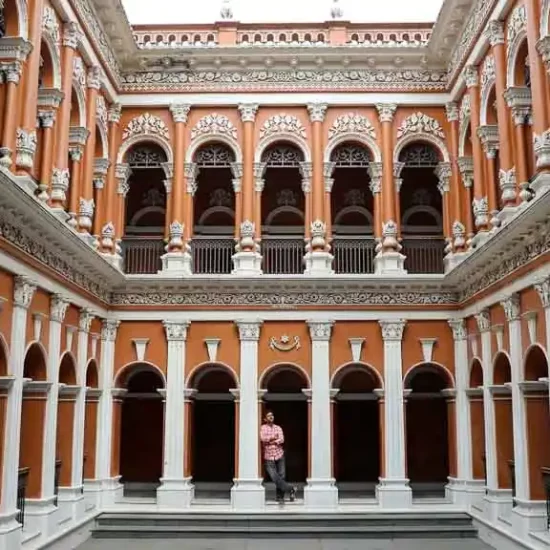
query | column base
(114,259)
(175,493)
(112,491)
(11,534)
(465,492)
(498,503)
(247,494)
(452,260)
(318,264)
(527,516)
(390,264)
(541,184)
(394,494)
(321,493)
(177,264)
(92,494)
(41,516)
(247,264)
(71,504)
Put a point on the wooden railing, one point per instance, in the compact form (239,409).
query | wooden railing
(424,254)
(142,254)
(213,255)
(283,255)
(353,255)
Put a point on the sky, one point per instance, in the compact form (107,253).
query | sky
(286,11)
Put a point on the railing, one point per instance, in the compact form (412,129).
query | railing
(546,482)
(424,254)
(213,255)
(57,477)
(283,255)
(142,254)
(22,479)
(353,255)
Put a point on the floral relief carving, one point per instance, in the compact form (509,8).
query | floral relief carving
(214,124)
(176,330)
(420,123)
(146,124)
(488,72)
(285,343)
(102,113)
(50,25)
(79,72)
(392,330)
(320,330)
(351,123)
(282,124)
(517,24)
(249,330)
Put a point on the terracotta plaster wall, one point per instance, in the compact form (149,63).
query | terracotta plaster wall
(6,312)
(125,352)
(40,304)
(71,321)
(530,302)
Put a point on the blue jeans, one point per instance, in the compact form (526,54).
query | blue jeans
(276,470)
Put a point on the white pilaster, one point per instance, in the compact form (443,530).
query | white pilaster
(247,492)
(111,488)
(321,491)
(176,491)
(394,491)
(10,529)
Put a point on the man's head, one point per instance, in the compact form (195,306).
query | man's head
(269,417)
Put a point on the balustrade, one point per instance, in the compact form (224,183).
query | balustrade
(283,255)
(353,255)
(213,255)
(424,255)
(142,254)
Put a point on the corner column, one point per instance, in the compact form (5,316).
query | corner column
(247,492)
(176,490)
(466,166)
(443,173)
(321,491)
(46,118)
(393,490)
(13,73)
(122,174)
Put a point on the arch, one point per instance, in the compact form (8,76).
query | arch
(200,141)
(202,369)
(475,379)
(502,368)
(81,99)
(144,138)
(343,370)
(53,50)
(288,209)
(423,208)
(104,140)
(67,369)
(366,140)
(4,356)
(463,134)
(535,355)
(21,14)
(269,372)
(216,210)
(92,374)
(299,142)
(420,137)
(514,48)
(35,362)
(144,211)
(354,210)
(545,18)
(486,94)
(130,369)
(431,367)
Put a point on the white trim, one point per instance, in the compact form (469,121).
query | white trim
(282,137)
(288,365)
(138,364)
(462,137)
(209,365)
(144,138)
(545,19)
(81,99)
(370,143)
(197,143)
(104,141)
(439,144)
(356,366)
(53,50)
(22,18)
(512,57)
(423,365)
(485,95)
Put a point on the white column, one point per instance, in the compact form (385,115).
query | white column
(321,491)
(247,492)
(543,288)
(461,488)
(176,491)
(111,488)
(393,491)
(10,529)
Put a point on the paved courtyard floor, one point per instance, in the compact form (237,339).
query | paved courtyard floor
(286,544)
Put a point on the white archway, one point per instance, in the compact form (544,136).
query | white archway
(197,143)
(144,138)
(367,141)
(299,142)
(421,137)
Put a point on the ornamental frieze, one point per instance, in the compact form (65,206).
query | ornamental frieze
(253,79)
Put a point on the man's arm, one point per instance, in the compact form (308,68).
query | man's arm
(264,435)
(280,436)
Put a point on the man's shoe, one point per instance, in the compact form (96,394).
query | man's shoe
(293,494)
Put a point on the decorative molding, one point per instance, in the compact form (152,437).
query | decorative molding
(320,331)
(512,308)
(356,345)
(176,330)
(140,347)
(483,320)
(517,24)
(317,112)
(146,124)
(285,343)
(543,289)
(249,330)
(283,124)
(248,112)
(427,345)
(23,291)
(392,330)
(180,112)
(85,319)
(214,125)
(458,326)
(58,308)
(420,123)
(109,329)
(212,345)
(351,123)
(386,111)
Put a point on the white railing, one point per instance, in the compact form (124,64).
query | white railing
(213,255)
(353,255)
(283,255)
(424,254)
(142,254)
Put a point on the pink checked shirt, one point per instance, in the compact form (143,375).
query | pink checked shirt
(272,450)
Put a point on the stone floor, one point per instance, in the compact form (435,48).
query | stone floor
(278,544)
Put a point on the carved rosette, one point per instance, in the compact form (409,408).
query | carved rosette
(483,320)
(392,330)
(109,329)
(60,185)
(512,308)
(352,123)
(85,320)
(25,148)
(212,125)
(176,331)
(283,124)
(320,331)
(542,149)
(386,111)
(146,124)
(86,214)
(458,326)
(180,112)
(58,308)
(459,235)
(248,112)
(420,123)
(481,211)
(507,182)
(249,330)
(317,112)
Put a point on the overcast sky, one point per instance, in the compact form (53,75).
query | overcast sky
(287,11)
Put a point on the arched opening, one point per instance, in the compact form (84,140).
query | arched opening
(90,420)
(286,400)
(33,413)
(427,425)
(213,431)
(145,209)
(9,20)
(421,209)
(535,393)
(141,430)
(477,420)
(356,431)
(352,207)
(502,398)
(283,209)
(66,402)
(214,210)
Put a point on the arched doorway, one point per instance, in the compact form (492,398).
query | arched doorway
(285,398)
(477,421)
(352,207)
(537,409)
(145,224)
(213,431)
(421,207)
(356,430)
(90,419)
(141,430)
(213,241)
(283,209)
(427,429)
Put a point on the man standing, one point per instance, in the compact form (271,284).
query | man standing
(272,439)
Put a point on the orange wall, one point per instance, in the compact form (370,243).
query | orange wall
(530,302)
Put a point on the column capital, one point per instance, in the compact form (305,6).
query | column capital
(114,113)
(23,291)
(13,71)
(466,168)
(512,307)
(444,172)
(180,112)
(76,152)
(108,330)
(249,330)
(386,111)
(168,168)
(248,111)
(452,111)
(306,170)
(46,118)
(85,320)
(320,331)
(458,326)
(94,77)
(483,320)
(376,170)
(176,331)
(317,111)
(392,330)
(471,76)
(495,32)
(543,288)
(58,308)
(71,35)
